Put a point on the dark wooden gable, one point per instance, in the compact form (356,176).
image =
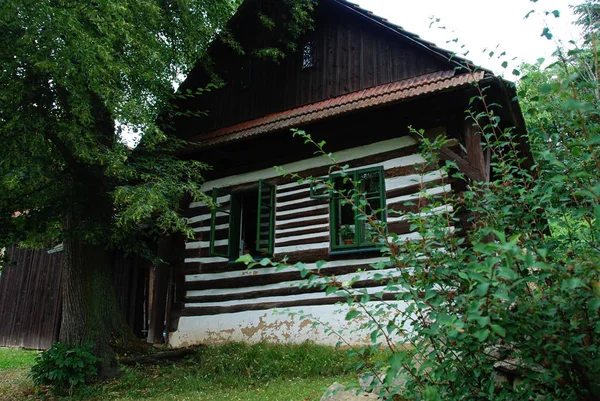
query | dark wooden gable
(350,51)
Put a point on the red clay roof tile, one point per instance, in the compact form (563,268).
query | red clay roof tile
(363,99)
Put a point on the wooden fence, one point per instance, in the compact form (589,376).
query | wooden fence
(30,301)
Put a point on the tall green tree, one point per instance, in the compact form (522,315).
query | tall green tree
(75,76)
(72,72)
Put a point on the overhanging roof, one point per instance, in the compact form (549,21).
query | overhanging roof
(364,99)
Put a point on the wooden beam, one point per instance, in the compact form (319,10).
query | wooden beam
(475,154)
(470,168)
(160,282)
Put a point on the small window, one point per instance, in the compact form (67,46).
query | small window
(350,228)
(308,56)
(251,227)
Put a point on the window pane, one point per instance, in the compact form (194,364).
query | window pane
(355,228)
(369,233)
(370,183)
(248,220)
(308,56)
(344,215)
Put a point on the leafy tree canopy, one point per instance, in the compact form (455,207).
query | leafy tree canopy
(73,75)
(69,71)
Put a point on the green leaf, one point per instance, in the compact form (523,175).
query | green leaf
(546,33)
(396,361)
(482,335)
(482,289)
(594,140)
(483,321)
(498,330)
(330,289)
(572,283)
(246,259)
(352,314)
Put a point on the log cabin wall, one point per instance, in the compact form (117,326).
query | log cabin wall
(226,302)
(354,53)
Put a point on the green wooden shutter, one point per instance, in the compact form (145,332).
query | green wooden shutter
(265,225)
(223,232)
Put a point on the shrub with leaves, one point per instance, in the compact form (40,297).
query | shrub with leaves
(504,276)
(63,368)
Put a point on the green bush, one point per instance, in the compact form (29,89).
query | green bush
(499,298)
(63,368)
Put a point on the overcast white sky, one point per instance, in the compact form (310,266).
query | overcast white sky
(483,24)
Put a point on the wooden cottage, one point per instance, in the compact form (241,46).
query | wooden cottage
(357,82)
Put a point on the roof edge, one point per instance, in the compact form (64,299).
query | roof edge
(381,95)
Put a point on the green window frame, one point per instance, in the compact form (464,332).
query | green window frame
(350,229)
(251,225)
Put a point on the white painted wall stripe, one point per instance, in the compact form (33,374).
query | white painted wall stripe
(281,194)
(257,326)
(207,260)
(319,161)
(303,219)
(204,244)
(294,202)
(302,210)
(294,184)
(412,179)
(325,227)
(285,240)
(391,163)
(204,217)
(297,248)
(289,298)
(273,270)
(417,195)
(207,228)
(432,212)
(359,276)
(220,200)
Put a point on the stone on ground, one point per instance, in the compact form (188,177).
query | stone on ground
(338,392)
(374,383)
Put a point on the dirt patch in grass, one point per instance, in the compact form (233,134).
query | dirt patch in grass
(15,385)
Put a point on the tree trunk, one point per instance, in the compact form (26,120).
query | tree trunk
(90,311)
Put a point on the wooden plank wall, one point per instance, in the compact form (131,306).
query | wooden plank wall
(222,299)
(30,302)
(350,54)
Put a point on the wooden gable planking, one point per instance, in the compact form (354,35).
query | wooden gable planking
(350,52)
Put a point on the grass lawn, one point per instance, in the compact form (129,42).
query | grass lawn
(228,373)
(14,367)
